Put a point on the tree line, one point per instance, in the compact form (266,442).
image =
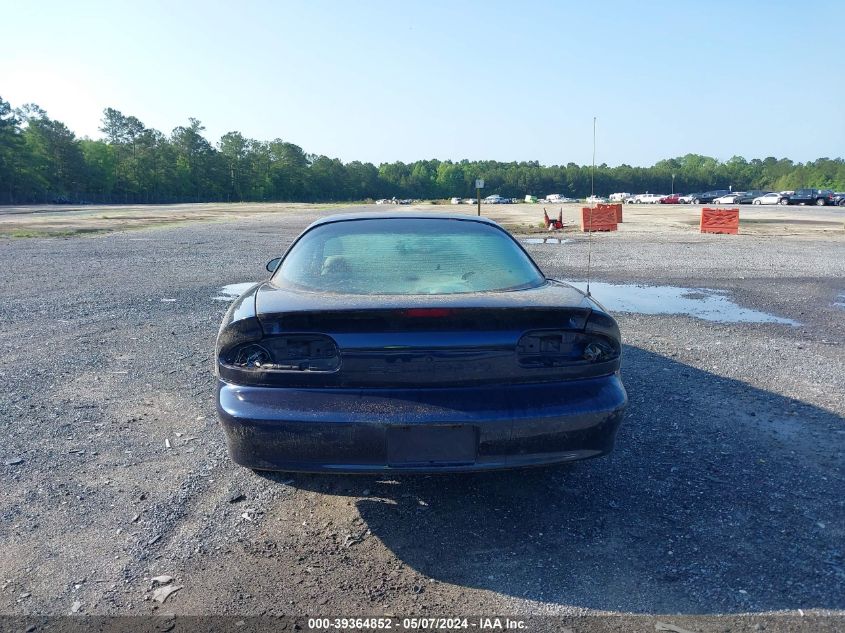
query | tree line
(43,161)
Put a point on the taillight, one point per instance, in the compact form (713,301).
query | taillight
(246,330)
(597,344)
(560,348)
(250,355)
(285,353)
(598,351)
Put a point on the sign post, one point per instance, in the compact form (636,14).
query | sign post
(479,185)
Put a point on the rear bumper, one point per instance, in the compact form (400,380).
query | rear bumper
(347,430)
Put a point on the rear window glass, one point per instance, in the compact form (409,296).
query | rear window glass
(407,256)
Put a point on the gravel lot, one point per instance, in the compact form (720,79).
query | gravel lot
(725,493)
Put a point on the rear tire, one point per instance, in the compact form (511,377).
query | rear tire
(821,202)
(696,201)
(784,201)
(757,202)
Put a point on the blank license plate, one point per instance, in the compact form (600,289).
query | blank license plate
(420,445)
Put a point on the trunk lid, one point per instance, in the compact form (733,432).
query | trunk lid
(458,339)
(554,294)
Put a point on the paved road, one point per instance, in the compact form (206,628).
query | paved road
(725,494)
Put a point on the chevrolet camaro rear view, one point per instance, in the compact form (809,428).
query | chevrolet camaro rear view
(419,343)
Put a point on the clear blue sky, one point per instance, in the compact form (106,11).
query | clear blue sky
(403,80)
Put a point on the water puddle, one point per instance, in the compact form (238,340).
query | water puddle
(233,291)
(546,240)
(702,303)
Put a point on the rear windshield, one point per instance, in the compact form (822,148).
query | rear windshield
(407,256)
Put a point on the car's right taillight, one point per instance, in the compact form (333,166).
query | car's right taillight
(597,349)
(597,345)
(562,348)
(604,343)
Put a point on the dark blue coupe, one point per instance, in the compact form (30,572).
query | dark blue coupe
(415,343)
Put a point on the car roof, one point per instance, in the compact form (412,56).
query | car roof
(398,215)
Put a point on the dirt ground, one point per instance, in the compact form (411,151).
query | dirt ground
(52,220)
(724,498)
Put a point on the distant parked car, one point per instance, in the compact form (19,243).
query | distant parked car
(595,200)
(687,199)
(647,198)
(470,201)
(455,201)
(729,198)
(709,196)
(839,199)
(819,197)
(748,196)
(768,198)
(675,198)
(495,199)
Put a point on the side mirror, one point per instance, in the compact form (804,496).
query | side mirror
(273,264)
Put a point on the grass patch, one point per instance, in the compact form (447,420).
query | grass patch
(325,206)
(830,223)
(89,231)
(24,233)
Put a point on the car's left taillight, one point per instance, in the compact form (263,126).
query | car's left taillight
(246,356)
(284,353)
